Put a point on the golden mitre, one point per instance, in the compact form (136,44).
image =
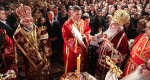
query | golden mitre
(121,17)
(23,11)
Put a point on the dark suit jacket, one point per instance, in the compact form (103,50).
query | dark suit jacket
(54,30)
(63,20)
(8,29)
(99,22)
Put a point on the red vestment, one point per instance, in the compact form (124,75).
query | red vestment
(72,48)
(120,43)
(6,56)
(32,54)
(138,54)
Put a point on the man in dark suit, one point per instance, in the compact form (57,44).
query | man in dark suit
(64,19)
(55,36)
(99,23)
(3,24)
(56,12)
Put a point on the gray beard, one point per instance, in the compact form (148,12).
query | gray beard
(137,75)
(29,28)
(110,32)
(134,76)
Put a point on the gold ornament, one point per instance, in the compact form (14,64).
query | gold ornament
(113,68)
(121,17)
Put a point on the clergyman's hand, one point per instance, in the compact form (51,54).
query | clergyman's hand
(7,50)
(107,45)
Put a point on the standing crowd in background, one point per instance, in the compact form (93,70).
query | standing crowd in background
(35,35)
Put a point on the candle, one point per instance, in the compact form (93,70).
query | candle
(78,64)
(78,67)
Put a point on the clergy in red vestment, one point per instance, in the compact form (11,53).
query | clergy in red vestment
(142,72)
(76,35)
(140,51)
(6,56)
(114,45)
(32,48)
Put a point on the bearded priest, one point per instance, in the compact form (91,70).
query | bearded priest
(32,48)
(114,44)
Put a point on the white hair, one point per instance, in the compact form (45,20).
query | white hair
(112,32)
(86,14)
(137,75)
(50,12)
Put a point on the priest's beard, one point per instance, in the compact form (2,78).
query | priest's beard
(138,74)
(28,27)
(135,76)
(112,31)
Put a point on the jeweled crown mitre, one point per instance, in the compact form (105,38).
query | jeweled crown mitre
(23,11)
(121,17)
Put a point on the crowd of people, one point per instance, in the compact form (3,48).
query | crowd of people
(35,35)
